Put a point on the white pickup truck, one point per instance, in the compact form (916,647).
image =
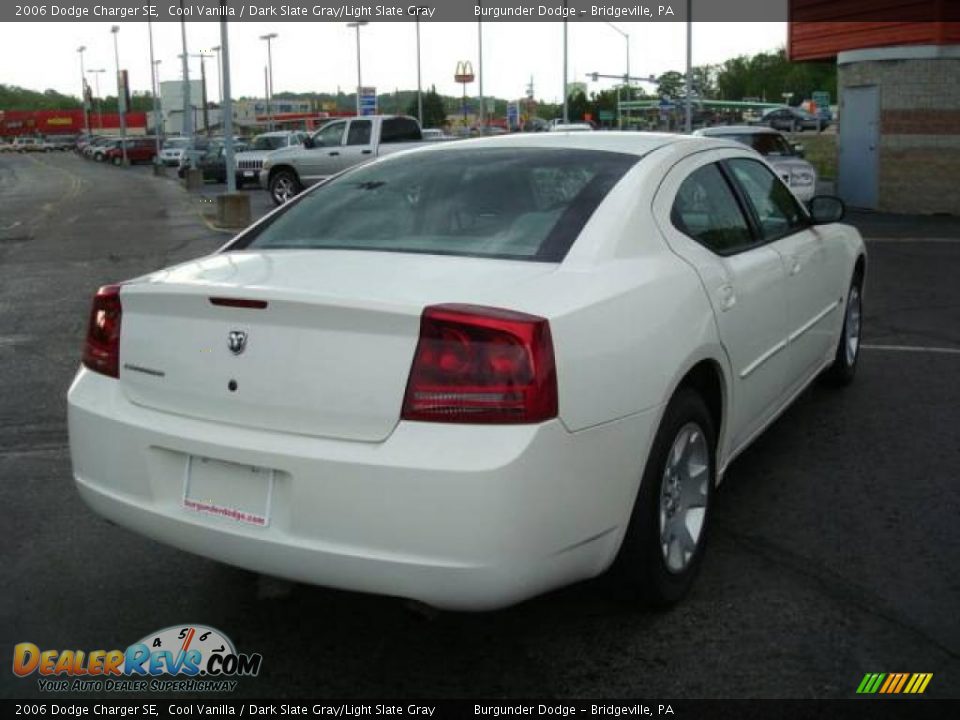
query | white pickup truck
(338,145)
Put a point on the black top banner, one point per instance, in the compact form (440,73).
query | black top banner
(891,709)
(482,10)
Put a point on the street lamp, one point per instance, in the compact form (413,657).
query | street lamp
(358,25)
(96,85)
(269,37)
(121,96)
(626,78)
(83,91)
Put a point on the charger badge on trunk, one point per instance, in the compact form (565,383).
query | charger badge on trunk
(237,341)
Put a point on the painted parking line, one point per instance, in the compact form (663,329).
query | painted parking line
(912,240)
(912,348)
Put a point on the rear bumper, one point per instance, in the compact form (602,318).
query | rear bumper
(460,517)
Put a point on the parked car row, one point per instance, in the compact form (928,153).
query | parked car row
(38,144)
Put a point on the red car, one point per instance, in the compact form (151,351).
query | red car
(138,150)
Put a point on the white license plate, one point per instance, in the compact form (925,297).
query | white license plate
(232,491)
(248,173)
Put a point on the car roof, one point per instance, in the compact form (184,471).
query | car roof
(720,130)
(633,143)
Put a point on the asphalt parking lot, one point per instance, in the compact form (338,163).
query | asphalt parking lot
(835,548)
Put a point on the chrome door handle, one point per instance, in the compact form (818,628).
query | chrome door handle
(795,267)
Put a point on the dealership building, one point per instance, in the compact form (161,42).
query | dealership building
(899,94)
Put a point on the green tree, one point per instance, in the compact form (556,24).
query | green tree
(434,109)
(670,84)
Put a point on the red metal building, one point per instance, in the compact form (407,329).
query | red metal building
(64,122)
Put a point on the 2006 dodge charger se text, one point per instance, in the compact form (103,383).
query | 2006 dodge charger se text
(472,372)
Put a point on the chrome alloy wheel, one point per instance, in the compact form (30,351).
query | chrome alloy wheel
(683,497)
(851,338)
(283,189)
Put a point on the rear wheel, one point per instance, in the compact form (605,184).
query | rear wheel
(117,161)
(664,545)
(284,186)
(844,366)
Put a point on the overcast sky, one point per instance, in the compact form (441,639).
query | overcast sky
(317,56)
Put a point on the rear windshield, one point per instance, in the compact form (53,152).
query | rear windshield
(173,143)
(268,142)
(518,203)
(768,144)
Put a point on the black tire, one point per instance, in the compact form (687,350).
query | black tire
(641,566)
(117,161)
(844,367)
(284,186)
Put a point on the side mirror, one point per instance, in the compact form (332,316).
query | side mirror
(308,142)
(826,209)
(799,150)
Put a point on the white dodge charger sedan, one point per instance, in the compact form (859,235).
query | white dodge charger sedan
(473,372)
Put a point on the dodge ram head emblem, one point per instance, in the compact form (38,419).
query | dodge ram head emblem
(237,341)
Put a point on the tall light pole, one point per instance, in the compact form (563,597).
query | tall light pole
(121,96)
(358,25)
(269,37)
(96,85)
(153,92)
(216,49)
(689,83)
(186,126)
(483,113)
(83,91)
(626,78)
(566,114)
(419,90)
(226,104)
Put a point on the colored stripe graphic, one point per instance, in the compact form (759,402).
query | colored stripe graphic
(894,683)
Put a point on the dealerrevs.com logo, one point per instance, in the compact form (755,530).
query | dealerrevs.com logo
(182,658)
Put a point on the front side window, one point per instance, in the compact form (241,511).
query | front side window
(524,204)
(706,210)
(778,212)
(330,135)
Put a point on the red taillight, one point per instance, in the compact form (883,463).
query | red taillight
(101,351)
(481,365)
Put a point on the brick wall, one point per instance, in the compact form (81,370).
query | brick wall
(919,153)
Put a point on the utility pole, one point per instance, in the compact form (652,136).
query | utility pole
(483,111)
(269,37)
(203,90)
(186,127)
(566,113)
(96,86)
(216,49)
(153,91)
(689,84)
(83,92)
(226,104)
(121,97)
(419,89)
(358,25)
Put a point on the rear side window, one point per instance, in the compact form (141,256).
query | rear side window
(706,210)
(523,203)
(359,133)
(778,212)
(400,129)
